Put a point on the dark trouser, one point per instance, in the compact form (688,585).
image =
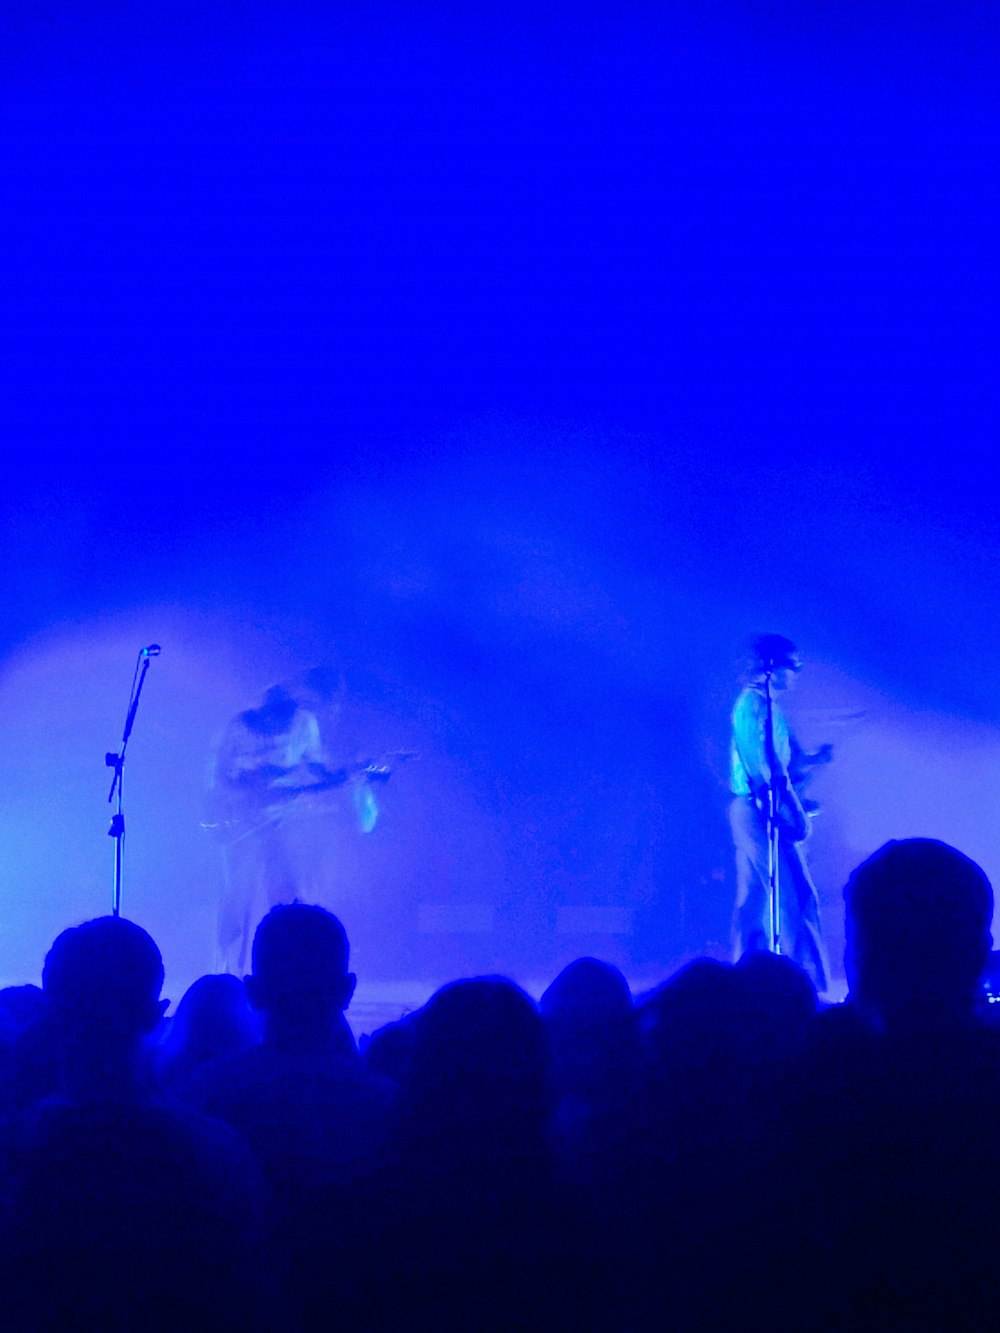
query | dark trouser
(799,915)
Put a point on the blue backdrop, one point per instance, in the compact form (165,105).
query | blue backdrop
(526,364)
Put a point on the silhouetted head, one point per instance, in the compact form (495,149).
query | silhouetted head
(778,1002)
(275,714)
(102,982)
(777,656)
(20,1007)
(693,1016)
(918,931)
(478,1071)
(213,1019)
(300,956)
(591,1022)
(774,650)
(587,987)
(22,1012)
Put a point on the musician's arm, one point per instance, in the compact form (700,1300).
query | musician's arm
(795,811)
(305,748)
(238,765)
(791,803)
(801,764)
(755,754)
(314,768)
(791,807)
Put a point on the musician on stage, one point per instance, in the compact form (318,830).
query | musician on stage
(756,764)
(271,796)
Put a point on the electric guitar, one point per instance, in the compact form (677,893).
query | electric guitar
(238,812)
(800,773)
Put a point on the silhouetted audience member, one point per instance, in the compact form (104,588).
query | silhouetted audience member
(597,1070)
(123,1214)
(918,916)
(387,1050)
(313,1115)
(893,1143)
(723,1041)
(722,1153)
(466,1234)
(694,1030)
(20,1006)
(475,1103)
(214,1019)
(21,1016)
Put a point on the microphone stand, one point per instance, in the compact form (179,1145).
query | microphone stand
(775,791)
(117,762)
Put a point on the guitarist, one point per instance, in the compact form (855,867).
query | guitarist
(269,759)
(753,768)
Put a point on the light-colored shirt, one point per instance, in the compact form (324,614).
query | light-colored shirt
(246,751)
(749,768)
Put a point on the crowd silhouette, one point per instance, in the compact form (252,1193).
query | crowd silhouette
(724,1152)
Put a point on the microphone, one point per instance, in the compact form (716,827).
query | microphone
(153,650)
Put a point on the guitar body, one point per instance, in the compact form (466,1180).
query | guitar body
(793,825)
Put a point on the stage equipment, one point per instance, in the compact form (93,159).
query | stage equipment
(117,762)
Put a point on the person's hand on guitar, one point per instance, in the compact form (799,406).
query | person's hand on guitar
(794,816)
